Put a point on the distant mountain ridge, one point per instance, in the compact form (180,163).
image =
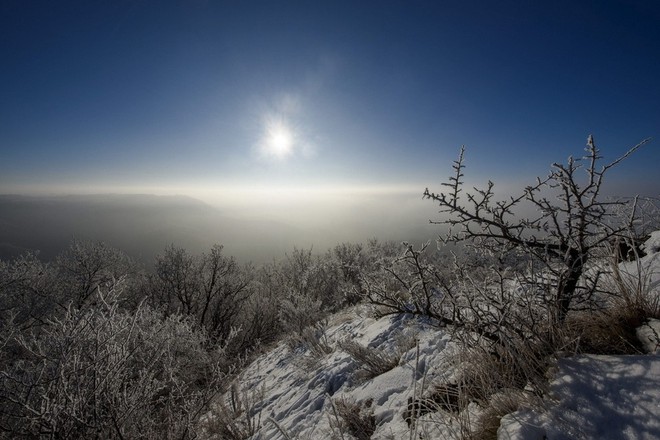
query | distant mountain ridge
(140,224)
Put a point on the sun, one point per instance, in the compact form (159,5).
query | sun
(279,140)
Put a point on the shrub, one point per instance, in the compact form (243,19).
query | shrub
(28,293)
(210,288)
(355,418)
(103,372)
(297,312)
(86,266)
(568,230)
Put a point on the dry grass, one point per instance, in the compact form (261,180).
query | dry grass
(489,385)
(374,361)
(354,418)
(631,302)
(314,341)
(234,417)
(499,405)
(633,291)
(609,331)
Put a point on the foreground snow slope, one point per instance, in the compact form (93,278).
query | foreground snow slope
(599,397)
(296,388)
(593,397)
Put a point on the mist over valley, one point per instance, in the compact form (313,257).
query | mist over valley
(143,225)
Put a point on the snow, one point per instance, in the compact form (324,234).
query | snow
(652,245)
(591,397)
(649,335)
(295,391)
(648,265)
(598,397)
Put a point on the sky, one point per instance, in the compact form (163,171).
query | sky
(254,104)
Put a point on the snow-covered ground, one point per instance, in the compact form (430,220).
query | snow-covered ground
(592,397)
(297,389)
(603,397)
(598,397)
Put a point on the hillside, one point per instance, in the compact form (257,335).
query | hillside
(321,386)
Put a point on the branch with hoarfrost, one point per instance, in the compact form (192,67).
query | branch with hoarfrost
(572,220)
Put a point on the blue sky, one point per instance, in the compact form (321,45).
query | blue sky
(203,97)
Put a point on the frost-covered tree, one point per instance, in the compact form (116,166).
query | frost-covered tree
(571,224)
(507,294)
(87,265)
(31,291)
(211,288)
(224,290)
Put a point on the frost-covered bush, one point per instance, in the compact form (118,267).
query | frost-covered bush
(210,288)
(33,291)
(93,346)
(310,288)
(101,372)
(310,276)
(524,274)
(86,266)
(28,292)
(260,316)
(297,312)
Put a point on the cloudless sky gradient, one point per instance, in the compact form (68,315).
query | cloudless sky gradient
(212,96)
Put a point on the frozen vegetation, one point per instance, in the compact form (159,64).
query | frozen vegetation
(298,391)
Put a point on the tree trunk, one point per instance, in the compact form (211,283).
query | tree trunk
(568,284)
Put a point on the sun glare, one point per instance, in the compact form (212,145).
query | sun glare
(279,140)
